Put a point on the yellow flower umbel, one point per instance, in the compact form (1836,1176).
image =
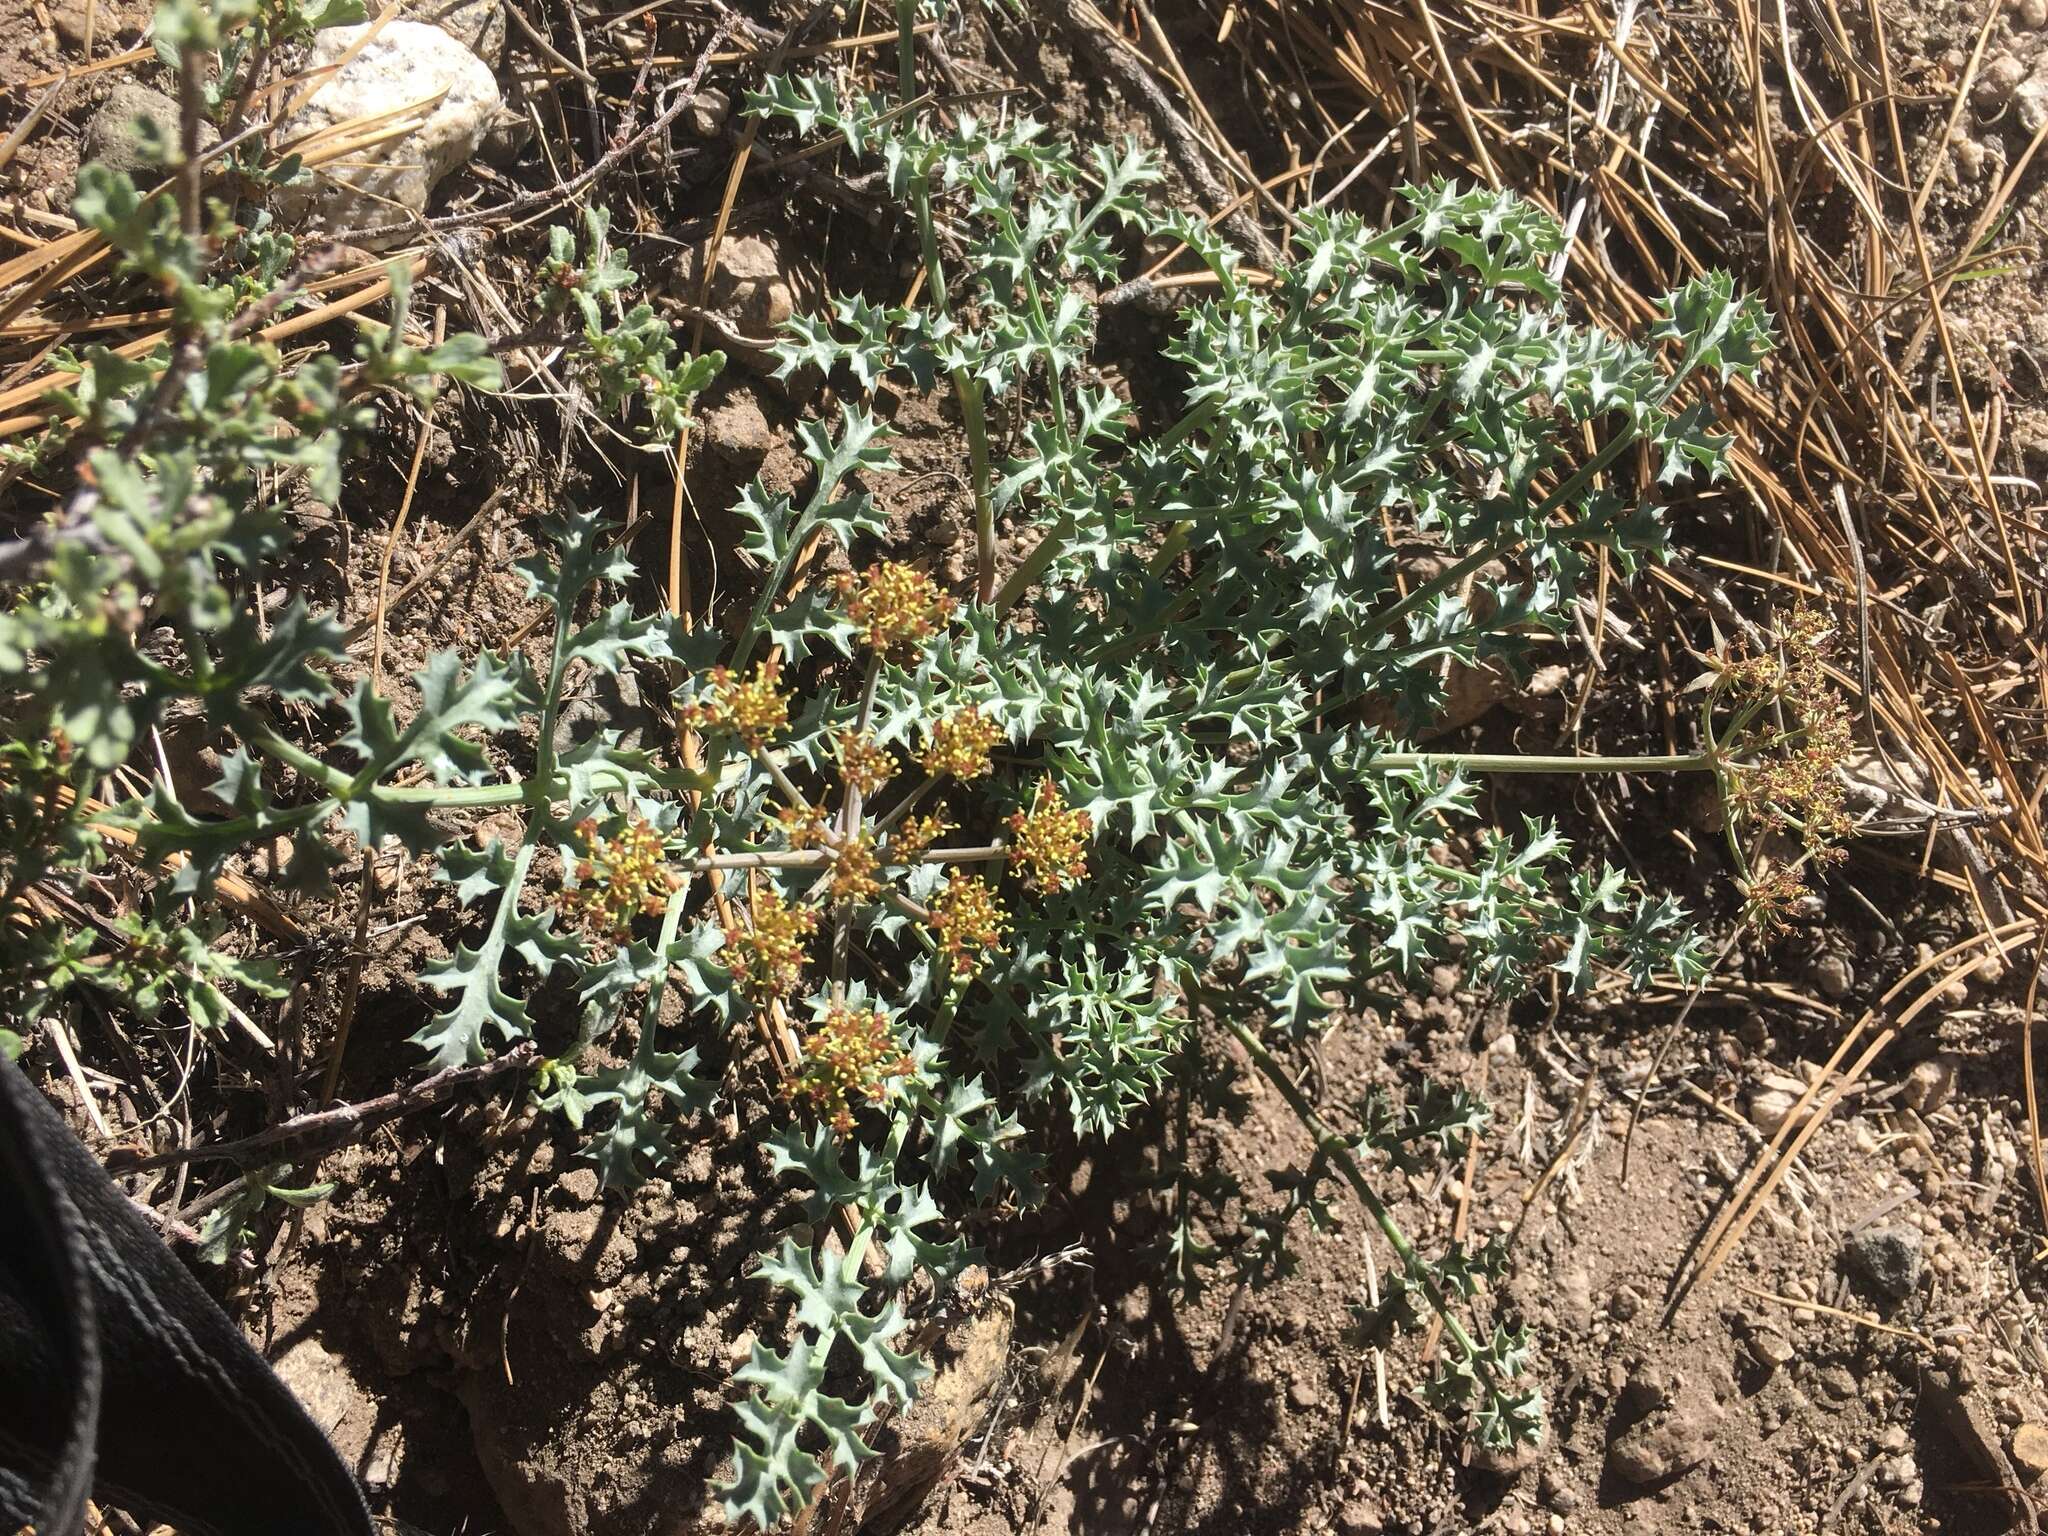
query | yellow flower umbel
(912,840)
(851,1054)
(803,825)
(1800,783)
(1049,843)
(753,709)
(969,922)
(1770,899)
(896,607)
(619,879)
(854,864)
(772,952)
(959,744)
(864,763)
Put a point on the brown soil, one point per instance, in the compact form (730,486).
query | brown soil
(499,1349)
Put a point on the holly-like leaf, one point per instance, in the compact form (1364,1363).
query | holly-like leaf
(486,698)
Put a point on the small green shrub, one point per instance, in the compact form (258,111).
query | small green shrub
(973,859)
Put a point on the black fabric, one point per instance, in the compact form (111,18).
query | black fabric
(49,1343)
(119,1374)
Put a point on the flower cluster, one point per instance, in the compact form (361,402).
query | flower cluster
(896,607)
(969,921)
(1800,786)
(619,879)
(802,825)
(772,951)
(865,764)
(1049,842)
(753,708)
(854,867)
(912,840)
(1769,900)
(851,1054)
(959,744)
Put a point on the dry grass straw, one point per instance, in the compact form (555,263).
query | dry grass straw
(1870,457)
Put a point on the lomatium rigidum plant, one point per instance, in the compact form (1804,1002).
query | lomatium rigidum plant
(960,860)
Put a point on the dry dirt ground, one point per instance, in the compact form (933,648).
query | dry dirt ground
(499,1349)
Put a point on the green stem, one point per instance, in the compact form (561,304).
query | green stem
(1510,762)
(973,408)
(344,787)
(906,50)
(650,1015)
(1443,581)
(1338,1150)
(1170,548)
(1035,564)
(267,741)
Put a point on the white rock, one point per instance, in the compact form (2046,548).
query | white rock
(405,64)
(2030,100)
(1929,1085)
(1771,1100)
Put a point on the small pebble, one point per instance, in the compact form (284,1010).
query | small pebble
(1835,1382)
(1928,1086)
(1768,1108)
(1890,1258)
(1557,1493)
(707,112)
(68,16)
(1771,1348)
(2030,1448)
(1832,975)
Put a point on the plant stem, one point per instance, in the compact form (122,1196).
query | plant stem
(1510,762)
(644,1050)
(966,389)
(906,50)
(452,797)
(1338,1150)
(1035,564)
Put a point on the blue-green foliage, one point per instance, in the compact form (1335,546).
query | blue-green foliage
(1207,617)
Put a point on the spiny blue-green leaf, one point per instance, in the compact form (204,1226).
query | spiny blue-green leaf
(808,621)
(488,697)
(822,1297)
(638,1136)
(455,1037)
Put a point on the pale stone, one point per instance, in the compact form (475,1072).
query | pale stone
(114,135)
(407,63)
(2030,1448)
